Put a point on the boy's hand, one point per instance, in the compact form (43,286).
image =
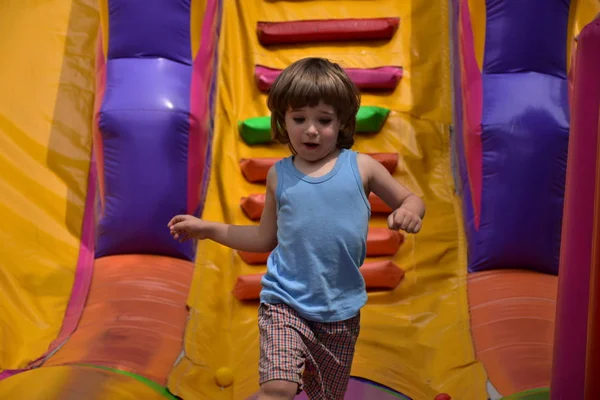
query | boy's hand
(185,227)
(404,219)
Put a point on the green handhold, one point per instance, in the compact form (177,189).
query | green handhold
(370,119)
(257,130)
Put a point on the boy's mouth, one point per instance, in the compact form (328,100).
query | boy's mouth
(311,146)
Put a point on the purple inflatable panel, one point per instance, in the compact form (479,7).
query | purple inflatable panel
(144,123)
(525,123)
(150,28)
(526,36)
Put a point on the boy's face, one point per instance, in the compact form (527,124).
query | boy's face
(313,131)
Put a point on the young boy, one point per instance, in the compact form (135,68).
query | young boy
(315,224)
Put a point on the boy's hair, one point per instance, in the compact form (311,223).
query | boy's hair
(306,82)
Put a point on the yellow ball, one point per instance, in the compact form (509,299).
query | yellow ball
(224,377)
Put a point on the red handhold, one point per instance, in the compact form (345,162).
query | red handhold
(443,396)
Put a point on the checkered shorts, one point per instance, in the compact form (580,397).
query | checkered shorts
(292,348)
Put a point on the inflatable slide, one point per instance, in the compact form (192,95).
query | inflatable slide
(116,115)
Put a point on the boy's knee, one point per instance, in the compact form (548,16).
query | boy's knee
(278,390)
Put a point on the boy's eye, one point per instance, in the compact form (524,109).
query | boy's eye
(298,120)
(325,121)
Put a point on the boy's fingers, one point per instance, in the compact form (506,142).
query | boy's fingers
(176,219)
(418,227)
(402,222)
(390,221)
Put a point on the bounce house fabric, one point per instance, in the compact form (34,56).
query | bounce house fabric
(151,123)
(513,134)
(495,253)
(46,105)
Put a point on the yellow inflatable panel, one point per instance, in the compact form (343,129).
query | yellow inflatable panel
(78,383)
(581,12)
(46,87)
(415,339)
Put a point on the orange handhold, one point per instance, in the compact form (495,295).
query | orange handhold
(378,206)
(379,275)
(388,160)
(253,205)
(380,242)
(251,258)
(256,169)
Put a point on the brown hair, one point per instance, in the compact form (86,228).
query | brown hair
(306,82)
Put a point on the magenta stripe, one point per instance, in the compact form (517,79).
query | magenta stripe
(199,108)
(85,263)
(571,326)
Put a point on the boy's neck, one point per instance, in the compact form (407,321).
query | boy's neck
(316,167)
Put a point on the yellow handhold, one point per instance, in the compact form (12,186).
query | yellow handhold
(224,377)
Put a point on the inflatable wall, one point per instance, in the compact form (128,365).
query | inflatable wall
(512,123)
(143,110)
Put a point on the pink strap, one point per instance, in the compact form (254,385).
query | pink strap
(382,78)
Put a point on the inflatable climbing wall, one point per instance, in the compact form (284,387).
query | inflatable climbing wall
(116,115)
(415,336)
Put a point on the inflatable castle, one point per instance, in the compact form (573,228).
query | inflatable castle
(116,115)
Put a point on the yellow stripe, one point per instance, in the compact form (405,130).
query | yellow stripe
(45,140)
(581,13)
(197,17)
(477,10)
(104,25)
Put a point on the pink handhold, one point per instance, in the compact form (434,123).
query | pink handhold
(381,78)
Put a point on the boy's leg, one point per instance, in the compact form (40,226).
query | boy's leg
(330,358)
(282,352)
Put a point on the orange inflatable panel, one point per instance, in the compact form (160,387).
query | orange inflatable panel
(135,316)
(256,169)
(380,242)
(512,323)
(253,205)
(378,275)
(326,30)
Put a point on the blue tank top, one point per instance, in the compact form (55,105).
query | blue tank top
(322,226)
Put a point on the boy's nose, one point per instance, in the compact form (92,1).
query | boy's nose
(312,130)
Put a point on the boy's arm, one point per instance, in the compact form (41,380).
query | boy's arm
(383,184)
(260,238)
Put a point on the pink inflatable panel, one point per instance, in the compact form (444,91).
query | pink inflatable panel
(382,78)
(326,30)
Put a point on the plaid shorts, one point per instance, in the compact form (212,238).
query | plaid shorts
(293,348)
